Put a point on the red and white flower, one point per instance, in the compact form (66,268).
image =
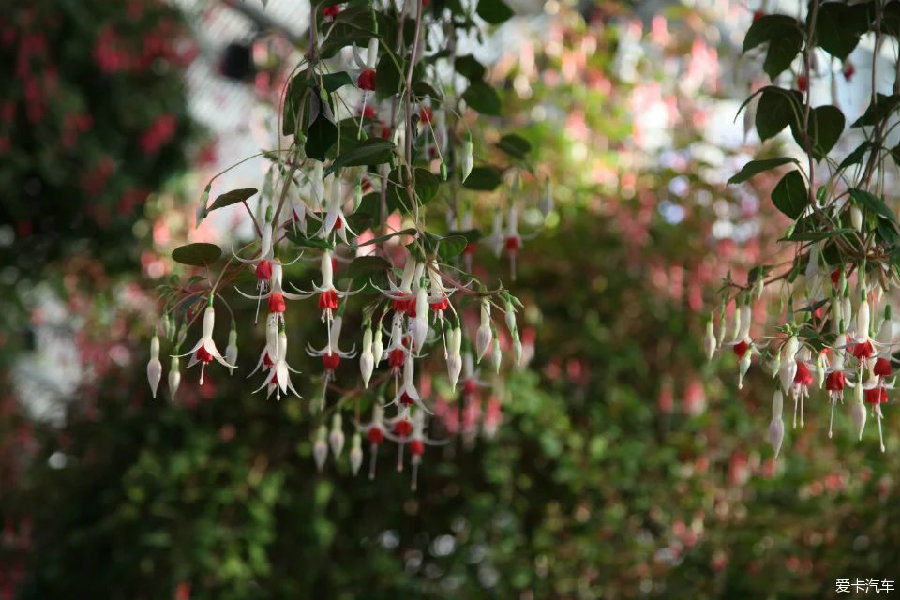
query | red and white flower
(205,351)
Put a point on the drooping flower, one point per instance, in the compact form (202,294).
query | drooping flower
(375,434)
(279,377)
(331,354)
(328,294)
(204,351)
(174,376)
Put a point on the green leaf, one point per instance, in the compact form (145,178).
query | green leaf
(758,166)
(309,241)
(483,178)
(468,67)
(826,124)
(374,151)
(855,157)
(353,25)
(294,101)
(451,247)
(232,197)
(814,236)
(427,185)
(333,81)
(875,113)
(839,27)
(423,89)
(365,266)
(320,136)
(199,254)
(777,109)
(872,203)
(494,12)
(387,76)
(483,98)
(514,145)
(785,38)
(386,237)
(790,195)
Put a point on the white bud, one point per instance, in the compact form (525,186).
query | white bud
(820,370)
(468,158)
(776,427)
(174,377)
(231,352)
(709,342)
(517,350)
(746,321)
(356,455)
(510,317)
(856,218)
(154,367)
(378,346)
(327,270)
(483,335)
(496,355)
(744,367)
(336,437)
(320,448)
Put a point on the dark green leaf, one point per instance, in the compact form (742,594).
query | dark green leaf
(320,136)
(468,67)
(839,27)
(855,157)
(785,40)
(514,145)
(374,151)
(758,272)
(387,76)
(387,236)
(423,89)
(333,81)
(758,166)
(814,236)
(483,178)
(790,195)
(494,12)
(353,25)
(200,254)
(294,102)
(309,241)
(364,266)
(826,124)
(875,113)
(451,247)
(777,109)
(872,203)
(232,197)
(483,98)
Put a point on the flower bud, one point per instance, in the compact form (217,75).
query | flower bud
(744,367)
(856,218)
(468,158)
(366,359)
(483,335)
(336,437)
(776,427)
(496,355)
(231,351)
(378,346)
(356,455)
(154,367)
(174,377)
(709,342)
(320,448)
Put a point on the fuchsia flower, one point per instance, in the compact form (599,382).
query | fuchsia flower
(205,350)
(366,80)
(331,354)
(328,294)
(375,434)
(279,377)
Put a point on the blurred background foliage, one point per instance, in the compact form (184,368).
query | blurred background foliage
(625,465)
